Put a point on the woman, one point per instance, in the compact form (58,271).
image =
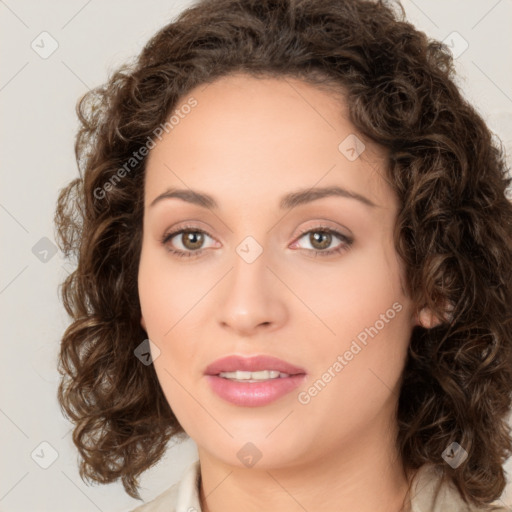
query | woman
(294,245)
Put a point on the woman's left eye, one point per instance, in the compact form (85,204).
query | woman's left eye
(320,239)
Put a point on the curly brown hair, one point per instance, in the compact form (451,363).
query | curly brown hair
(453,231)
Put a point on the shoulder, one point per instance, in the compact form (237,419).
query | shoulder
(430,493)
(183,495)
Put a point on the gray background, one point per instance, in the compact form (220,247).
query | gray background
(38,124)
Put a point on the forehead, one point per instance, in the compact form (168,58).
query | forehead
(259,138)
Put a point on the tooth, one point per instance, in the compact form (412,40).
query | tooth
(260,375)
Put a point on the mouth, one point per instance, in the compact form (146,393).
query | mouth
(253,381)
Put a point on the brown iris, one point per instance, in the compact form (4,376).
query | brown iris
(194,238)
(315,236)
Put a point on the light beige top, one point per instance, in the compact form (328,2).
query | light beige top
(428,494)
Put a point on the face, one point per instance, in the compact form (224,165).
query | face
(315,282)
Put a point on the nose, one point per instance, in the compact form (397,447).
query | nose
(252,297)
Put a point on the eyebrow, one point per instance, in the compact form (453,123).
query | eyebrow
(291,200)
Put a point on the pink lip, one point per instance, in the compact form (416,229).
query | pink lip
(253,394)
(251,364)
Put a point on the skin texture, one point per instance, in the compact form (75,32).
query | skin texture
(247,143)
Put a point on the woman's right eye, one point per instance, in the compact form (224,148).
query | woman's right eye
(193,238)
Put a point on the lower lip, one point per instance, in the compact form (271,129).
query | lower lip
(254,394)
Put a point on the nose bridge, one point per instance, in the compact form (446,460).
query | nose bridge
(250,298)
(250,263)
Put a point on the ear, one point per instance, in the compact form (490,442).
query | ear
(427,319)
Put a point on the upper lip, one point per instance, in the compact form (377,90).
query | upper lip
(252,364)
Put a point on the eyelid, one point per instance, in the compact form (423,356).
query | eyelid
(319,225)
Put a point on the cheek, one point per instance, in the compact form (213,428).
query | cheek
(163,303)
(351,294)
(367,315)
(166,292)
(379,310)
(168,298)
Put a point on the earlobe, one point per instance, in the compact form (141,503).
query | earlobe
(426,319)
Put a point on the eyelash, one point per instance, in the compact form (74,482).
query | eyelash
(346,241)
